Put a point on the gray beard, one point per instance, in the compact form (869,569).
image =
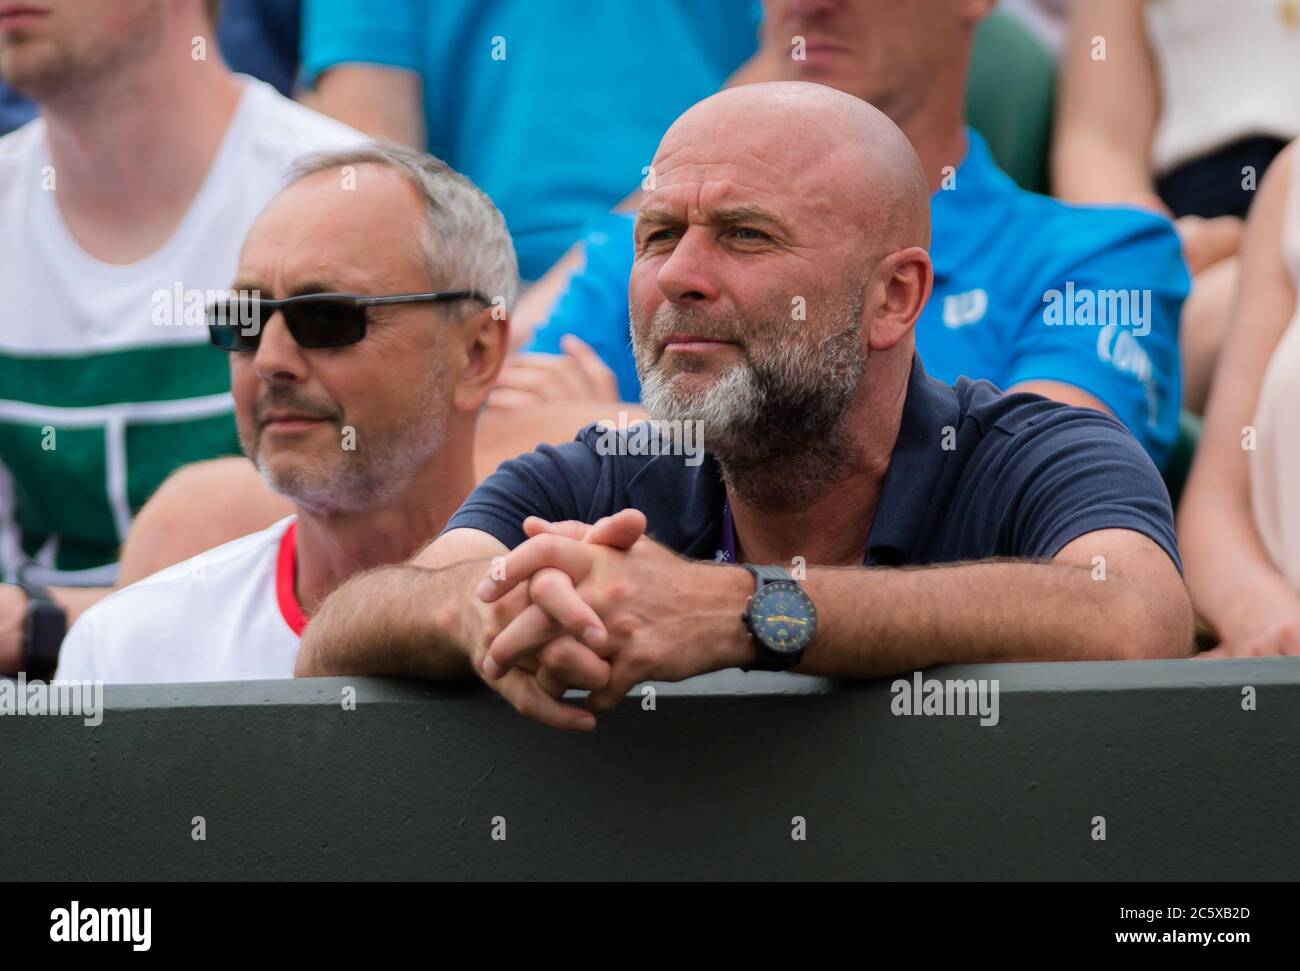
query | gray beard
(378,472)
(352,484)
(776,423)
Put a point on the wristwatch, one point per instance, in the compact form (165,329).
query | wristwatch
(780,618)
(43,631)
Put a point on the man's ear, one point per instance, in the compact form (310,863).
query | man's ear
(903,280)
(487,343)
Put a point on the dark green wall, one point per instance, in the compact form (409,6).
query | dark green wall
(406,786)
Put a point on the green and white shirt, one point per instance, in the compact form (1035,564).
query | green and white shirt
(107,380)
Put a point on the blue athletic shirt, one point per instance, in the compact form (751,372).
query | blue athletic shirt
(552,108)
(1014,274)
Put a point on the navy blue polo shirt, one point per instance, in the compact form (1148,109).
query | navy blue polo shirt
(974,474)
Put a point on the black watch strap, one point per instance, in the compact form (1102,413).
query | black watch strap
(764,575)
(43,629)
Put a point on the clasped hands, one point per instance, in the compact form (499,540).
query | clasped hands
(601,607)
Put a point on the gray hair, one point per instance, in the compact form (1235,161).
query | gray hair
(465,241)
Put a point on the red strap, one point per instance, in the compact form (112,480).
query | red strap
(286,570)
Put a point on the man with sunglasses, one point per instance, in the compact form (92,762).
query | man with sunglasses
(365,327)
(148,163)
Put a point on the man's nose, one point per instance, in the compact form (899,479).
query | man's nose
(278,356)
(689,275)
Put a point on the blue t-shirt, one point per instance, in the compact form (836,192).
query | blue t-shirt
(257,37)
(552,108)
(1023,477)
(1001,258)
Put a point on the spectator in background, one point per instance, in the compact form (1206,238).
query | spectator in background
(553,109)
(257,37)
(122,205)
(820,447)
(406,389)
(1007,262)
(1239,521)
(1179,107)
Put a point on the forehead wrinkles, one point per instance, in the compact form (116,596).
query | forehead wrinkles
(700,199)
(764,163)
(766,170)
(805,211)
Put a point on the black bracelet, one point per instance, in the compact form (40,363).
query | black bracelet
(44,627)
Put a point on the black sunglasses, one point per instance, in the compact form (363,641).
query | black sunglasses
(235,323)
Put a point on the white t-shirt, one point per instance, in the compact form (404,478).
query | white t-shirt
(106,380)
(229,614)
(1227,71)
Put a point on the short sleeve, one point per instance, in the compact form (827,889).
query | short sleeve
(594,306)
(1127,266)
(556,483)
(78,656)
(1071,471)
(350,31)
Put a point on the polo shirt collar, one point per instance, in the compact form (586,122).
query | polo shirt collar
(914,468)
(963,217)
(929,407)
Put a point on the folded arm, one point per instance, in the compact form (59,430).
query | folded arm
(426,620)
(1109,594)
(396,620)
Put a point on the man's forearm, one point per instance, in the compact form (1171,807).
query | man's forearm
(1092,169)
(397,620)
(877,622)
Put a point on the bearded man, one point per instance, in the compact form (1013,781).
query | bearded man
(363,334)
(781,265)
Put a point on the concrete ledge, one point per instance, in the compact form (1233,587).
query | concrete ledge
(407,785)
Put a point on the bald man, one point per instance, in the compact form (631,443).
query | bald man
(1010,266)
(781,265)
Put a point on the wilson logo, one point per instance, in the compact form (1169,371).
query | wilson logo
(963,309)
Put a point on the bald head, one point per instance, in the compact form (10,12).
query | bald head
(815,142)
(780,265)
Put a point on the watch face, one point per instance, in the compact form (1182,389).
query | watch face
(782,617)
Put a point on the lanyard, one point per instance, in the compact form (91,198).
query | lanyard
(726,552)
